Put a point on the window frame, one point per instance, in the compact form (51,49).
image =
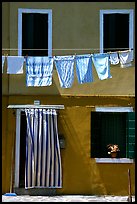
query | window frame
(42,11)
(113,109)
(131,26)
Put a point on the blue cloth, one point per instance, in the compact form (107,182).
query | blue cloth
(102,65)
(65,70)
(84,68)
(3,60)
(39,71)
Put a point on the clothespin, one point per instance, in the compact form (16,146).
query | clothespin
(25,58)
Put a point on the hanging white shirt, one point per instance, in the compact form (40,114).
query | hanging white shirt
(113,57)
(15,64)
(125,58)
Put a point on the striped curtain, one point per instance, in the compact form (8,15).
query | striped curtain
(43,159)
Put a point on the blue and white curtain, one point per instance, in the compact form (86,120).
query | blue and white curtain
(43,159)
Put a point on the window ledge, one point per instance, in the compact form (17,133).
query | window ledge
(114,160)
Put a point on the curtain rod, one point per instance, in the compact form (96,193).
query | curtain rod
(36,106)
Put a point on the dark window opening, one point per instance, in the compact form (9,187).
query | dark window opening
(22,150)
(116,32)
(34,34)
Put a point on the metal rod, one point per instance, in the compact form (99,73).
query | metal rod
(129,187)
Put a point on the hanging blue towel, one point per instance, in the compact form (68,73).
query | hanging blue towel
(102,65)
(3,60)
(65,70)
(39,71)
(84,68)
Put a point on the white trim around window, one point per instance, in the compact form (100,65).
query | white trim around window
(45,11)
(131,25)
(114,160)
(114,109)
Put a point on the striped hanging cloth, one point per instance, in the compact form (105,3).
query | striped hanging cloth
(43,159)
(65,70)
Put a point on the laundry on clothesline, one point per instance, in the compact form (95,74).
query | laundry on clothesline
(102,65)
(39,71)
(65,70)
(125,58)
(15,64)
(114,58)
(84,68)
(3,60)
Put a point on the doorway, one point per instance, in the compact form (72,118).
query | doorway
(22,150)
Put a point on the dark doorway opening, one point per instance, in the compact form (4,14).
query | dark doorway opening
(22,150)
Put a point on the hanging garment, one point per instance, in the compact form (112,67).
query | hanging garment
(102,65)
(113,57)
(84,68)
(15,64)
(39,71)
(43,159)
(3,60)
(125,58)
(65,70)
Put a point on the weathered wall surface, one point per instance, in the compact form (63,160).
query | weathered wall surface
(74,26)
(81,174)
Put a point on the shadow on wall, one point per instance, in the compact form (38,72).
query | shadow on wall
(80,172)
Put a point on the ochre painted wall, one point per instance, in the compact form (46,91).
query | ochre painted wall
(75,25)
(81,174)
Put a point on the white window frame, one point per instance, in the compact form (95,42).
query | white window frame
(131,26)
(113,109)
(44,11)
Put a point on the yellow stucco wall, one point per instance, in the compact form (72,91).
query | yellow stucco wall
(75,25)
(81,174)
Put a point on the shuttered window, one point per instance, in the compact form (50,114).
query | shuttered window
(112,128)
(130,135)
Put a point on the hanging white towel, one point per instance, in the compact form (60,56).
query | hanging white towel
(39,71)
(15,64)
(102,65)
(3,60)
(125,58)
(84,68)
(65,70)
(113,57)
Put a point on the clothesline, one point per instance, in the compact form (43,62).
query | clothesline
(71,49)
(39,70)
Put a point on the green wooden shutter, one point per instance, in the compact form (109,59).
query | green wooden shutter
(130,135)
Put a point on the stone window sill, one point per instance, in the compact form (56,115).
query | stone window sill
(114,160)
